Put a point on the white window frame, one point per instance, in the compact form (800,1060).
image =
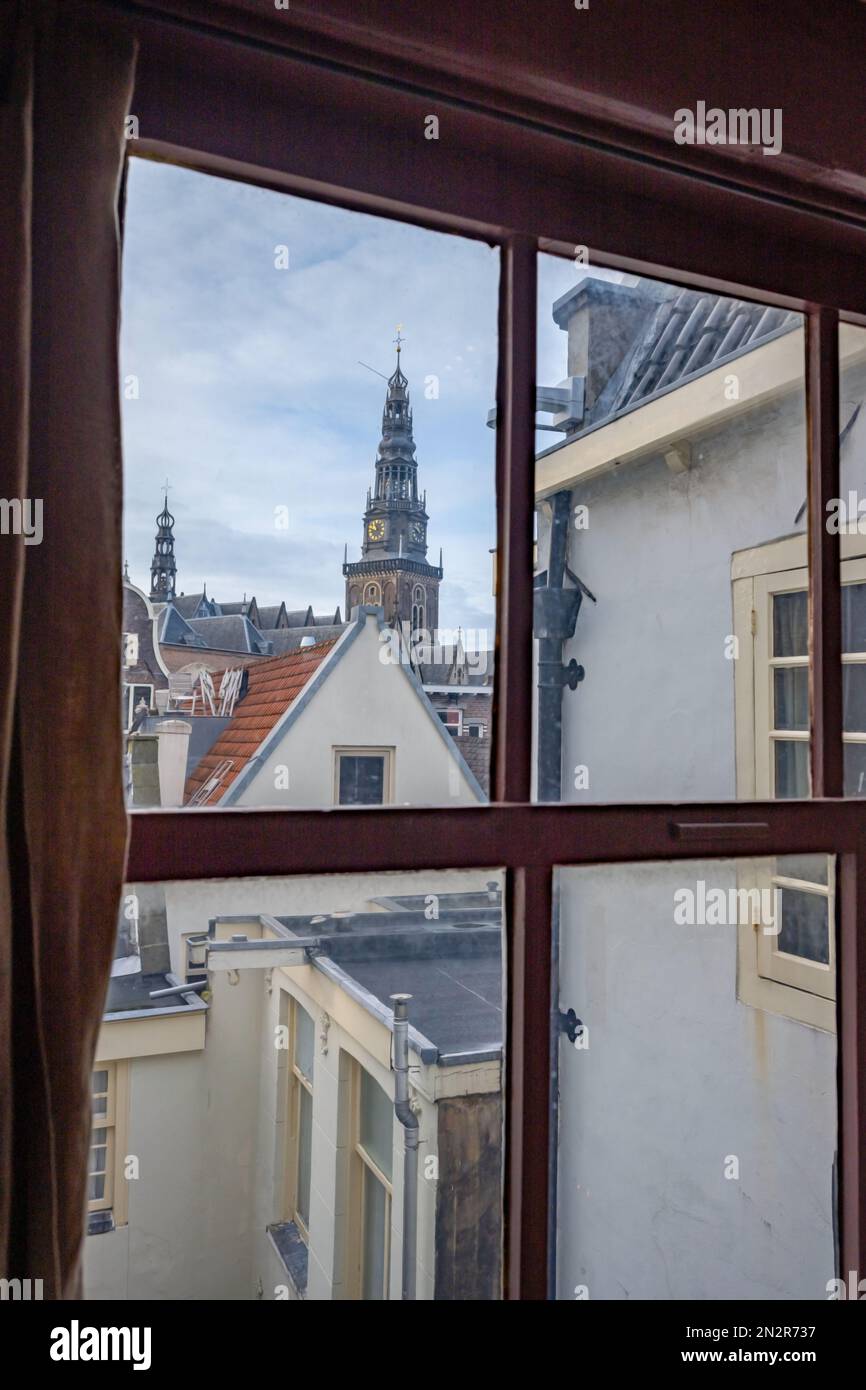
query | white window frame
(297,1082)
(768,978)
(114,1122)
(364,1169)
(389,756)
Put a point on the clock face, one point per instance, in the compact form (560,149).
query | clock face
(418,531)
(376,529)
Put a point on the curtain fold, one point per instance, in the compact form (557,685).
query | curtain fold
(66,74)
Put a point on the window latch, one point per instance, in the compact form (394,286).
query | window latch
(571,1025)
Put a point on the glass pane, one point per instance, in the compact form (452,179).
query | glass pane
(791,697)
(100,1082)
(305,1149)
(791,623)
(375,1236)
(333,375)
(100,1105)
(805,926)
(792,767)
(855,769)
(97,1159)
(362,781)
(299,973)
(854,697)
(670,458)
(697,1126)
(853,617)
(377,1123)
(305,1042)
(96,1188)
(810,867)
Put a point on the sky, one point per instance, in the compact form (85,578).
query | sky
(242,385)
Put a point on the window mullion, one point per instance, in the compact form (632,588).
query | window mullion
(825,591)
(529,936)
(515,491)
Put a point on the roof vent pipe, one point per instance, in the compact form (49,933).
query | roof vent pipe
(409,1120)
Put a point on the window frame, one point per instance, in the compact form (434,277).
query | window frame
(362,1169)
(296,1081)
(388,756)
(703,231)
(115,1120)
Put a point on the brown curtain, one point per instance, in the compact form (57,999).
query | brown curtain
(66,72)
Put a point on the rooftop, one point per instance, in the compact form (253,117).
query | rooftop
(273,687)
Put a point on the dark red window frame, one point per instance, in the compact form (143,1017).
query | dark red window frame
(253,109)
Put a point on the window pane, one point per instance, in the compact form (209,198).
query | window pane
(332,375)
(305,1042)
(377,1123)
(100,1082)
(805,926)
(854,697)
(96,1188)
(792,768)
(375,1236)
(855,769)
(791,623)
(305,1144)
(853,617)
(362,781)
(670,458)
(791,690)
(811,867)
(300,971)
(696,1123)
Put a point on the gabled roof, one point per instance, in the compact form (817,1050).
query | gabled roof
(231,633)
(272,616)
(273,687)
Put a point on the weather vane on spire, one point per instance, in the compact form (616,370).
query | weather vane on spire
(399,340)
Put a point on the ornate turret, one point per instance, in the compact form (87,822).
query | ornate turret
(163,567)
(394,573)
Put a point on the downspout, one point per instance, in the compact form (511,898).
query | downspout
(409,1120)
(555,611)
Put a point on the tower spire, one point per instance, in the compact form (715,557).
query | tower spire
(163,567)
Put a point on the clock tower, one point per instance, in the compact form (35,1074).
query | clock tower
(394,573)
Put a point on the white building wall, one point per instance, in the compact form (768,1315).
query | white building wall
(678,1074)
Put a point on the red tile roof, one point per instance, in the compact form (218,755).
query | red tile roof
(273,686)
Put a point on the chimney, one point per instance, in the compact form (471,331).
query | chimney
(603,321)
(173,736)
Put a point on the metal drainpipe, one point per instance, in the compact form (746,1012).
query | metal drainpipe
(409,1120)
(553,625)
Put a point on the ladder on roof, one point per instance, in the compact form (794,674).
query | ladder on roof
(208,787)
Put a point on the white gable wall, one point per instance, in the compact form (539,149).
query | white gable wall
(365,702)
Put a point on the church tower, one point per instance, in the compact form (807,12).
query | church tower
(163,567)
(393,572)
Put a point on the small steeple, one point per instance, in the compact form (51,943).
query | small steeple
(163,567)
(126,571)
